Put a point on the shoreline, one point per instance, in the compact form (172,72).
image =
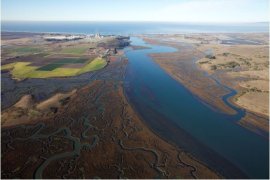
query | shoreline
(238,174)
(142,119)
(215,105)
(180,138)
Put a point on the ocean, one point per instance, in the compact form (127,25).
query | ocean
(131,28)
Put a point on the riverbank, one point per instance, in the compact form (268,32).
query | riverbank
(121,142)
(173,112)
(181,66)
(200,52)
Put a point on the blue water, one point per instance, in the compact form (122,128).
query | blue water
(125,28)
(152,91)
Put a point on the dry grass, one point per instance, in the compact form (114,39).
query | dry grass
(250,62)
(54,101)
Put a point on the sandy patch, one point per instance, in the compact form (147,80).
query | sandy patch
(261,85)
(250,74)
(54,101)
(25,102)
(26,110)
(255,101)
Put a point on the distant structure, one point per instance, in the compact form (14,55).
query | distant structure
(115,51)
(98,36)
(63,37)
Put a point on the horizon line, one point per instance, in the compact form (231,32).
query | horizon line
(146,21)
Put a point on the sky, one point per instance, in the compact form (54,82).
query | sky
(217,11)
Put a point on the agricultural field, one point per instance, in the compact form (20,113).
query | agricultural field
(32,65)
(30,56)
(22,70)
(22,51)
(27,50)
(75,50)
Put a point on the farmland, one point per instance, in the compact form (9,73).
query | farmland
(75,50)
(34,57)
(22,70)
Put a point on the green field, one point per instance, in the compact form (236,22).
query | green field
(96,64)
(71,61)
(50,67)
(27,50)
(74,50)
(18,51)
(22,70)
(59,63)
(7,66)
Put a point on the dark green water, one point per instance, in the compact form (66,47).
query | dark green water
(178,116)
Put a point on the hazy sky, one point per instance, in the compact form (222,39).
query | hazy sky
(137,10)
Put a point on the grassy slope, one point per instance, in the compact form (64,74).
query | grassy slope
(59,72)
(96,64)
(21,70)
(24,51)
(27,50)
(7,66)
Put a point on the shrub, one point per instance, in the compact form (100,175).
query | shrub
(213,67)
(209,56)
(203,62)
(226,54)
(232,64)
